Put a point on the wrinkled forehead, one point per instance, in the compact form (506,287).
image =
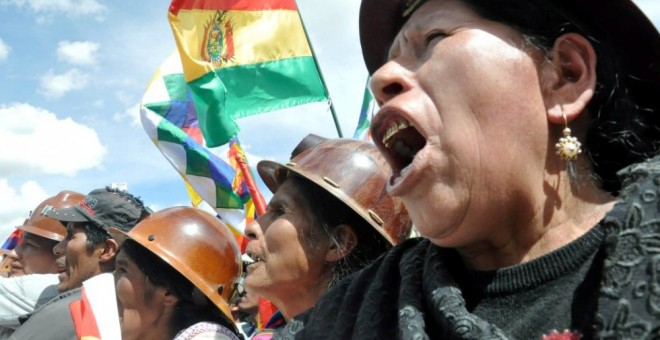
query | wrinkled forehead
(430,17)
(291,193)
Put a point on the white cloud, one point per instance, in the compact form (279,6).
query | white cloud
(77,52)
(125,98)
(16,205)
(43,144)
(132,114)
(4,50)
(72,8)
(56,85)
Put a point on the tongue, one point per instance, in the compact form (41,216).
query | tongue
(399,175)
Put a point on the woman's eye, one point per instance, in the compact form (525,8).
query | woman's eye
(278,211)
(434,35)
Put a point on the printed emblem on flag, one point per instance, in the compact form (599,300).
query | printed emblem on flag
(218,44)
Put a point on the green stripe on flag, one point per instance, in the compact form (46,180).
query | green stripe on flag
(245,90)
(176,87)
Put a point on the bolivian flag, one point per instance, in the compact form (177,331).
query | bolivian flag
(243,57)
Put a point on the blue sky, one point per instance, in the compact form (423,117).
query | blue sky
(72,73)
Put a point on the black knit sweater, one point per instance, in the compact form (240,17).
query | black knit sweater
(555,293)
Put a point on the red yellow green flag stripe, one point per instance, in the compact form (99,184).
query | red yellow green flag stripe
(242,58)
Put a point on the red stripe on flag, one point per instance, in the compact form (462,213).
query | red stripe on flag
(83,318)
(266,310)
(235,5)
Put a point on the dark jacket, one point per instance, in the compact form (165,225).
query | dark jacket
(50,321)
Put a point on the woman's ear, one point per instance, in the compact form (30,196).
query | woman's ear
(572,85)
(169,299)
(346,241)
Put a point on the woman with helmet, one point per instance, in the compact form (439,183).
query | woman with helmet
(330,216)
(174,276)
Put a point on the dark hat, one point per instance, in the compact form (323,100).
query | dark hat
(309,141)
(104,208)
(620,22)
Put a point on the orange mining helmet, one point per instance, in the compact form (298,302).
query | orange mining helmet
(198,245)
(354,172)
(47,227)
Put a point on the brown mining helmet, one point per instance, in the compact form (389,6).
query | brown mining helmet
(352,171)
(198,245)
(47,227)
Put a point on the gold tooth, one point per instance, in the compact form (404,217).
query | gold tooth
(392,130)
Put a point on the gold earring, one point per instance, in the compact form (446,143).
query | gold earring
(568,147)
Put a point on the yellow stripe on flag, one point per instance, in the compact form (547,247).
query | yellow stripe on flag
(272,35)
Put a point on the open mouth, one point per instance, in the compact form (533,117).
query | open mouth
(251,258)
(61,266)
(399,141)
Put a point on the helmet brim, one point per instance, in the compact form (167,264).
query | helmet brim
(274,174)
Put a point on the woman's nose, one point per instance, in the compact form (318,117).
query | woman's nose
(389,81)
(253,230)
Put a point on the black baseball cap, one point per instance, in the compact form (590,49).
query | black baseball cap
(104,208)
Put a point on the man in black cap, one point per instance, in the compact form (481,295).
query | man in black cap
(90,250)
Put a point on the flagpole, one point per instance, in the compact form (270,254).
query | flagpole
(318,67)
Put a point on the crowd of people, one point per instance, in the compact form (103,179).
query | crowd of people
(519,138)
(179,273)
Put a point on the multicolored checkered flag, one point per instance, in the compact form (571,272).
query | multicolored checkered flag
(170,119)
